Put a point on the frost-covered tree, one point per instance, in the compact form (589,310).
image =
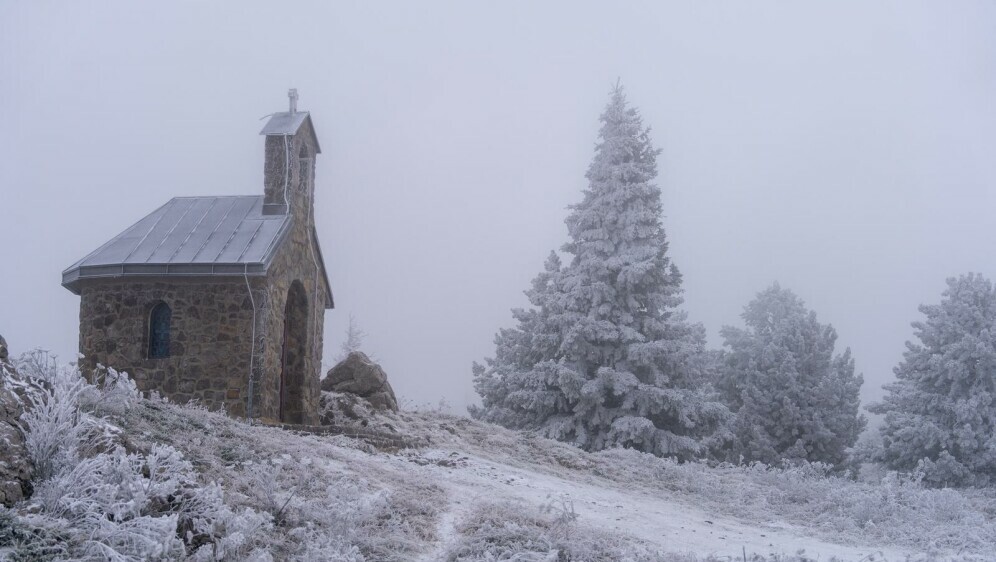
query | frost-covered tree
(940,415)
(793,398)
(604,358)
(353,340)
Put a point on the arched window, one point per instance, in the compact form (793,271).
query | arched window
(159,321)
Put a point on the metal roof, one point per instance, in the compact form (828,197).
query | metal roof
(191,236)
(286,123)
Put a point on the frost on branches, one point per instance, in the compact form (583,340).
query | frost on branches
(940,415)
(794,399)
(93,499)
(605,358)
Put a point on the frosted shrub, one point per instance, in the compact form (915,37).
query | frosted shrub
(22,540)
(509,531)
(107,503)
(40,365)
(317,544)
(60,421)
(352,518)
(117,392)
(56,430)
(561,510)
(123,505)
(267,486)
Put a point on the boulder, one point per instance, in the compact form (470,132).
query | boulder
(344,410)
(15,468)
(358,374)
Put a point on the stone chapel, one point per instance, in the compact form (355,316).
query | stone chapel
(219,299)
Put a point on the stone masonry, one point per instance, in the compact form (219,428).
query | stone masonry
(210,347)
(214,317)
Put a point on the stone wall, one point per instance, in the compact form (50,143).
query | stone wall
(294,263)
(297,260)
(210,336)
(292,186)
(212,319)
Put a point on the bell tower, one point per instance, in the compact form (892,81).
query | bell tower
(289,163)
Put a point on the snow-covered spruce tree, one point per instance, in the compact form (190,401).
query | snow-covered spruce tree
(940,415)
(605,358)
(793,398)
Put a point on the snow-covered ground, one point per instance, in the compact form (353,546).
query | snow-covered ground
(670,524)
(475,492)
(651,506)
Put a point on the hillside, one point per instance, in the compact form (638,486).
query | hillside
(473,492)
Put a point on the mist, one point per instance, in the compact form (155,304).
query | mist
(844,151)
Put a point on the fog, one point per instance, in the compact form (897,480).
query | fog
(847,152)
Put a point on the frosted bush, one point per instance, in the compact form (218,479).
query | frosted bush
(355,517)
(23,540)
(40,365)
(56,429)
(317,544)
(504,531)
(104,502)
(116,392)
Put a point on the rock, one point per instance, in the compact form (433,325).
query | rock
(15,468)
(357,374)
(344,409)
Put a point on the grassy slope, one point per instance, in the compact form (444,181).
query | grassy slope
(480,492)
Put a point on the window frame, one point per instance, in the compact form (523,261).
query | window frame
(160,327)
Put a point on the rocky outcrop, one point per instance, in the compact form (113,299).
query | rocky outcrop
(358,374)
(15,469)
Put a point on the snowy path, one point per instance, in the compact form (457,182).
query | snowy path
(671,525)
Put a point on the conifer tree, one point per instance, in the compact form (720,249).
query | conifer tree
(940,415)
(605,358)
(793,398)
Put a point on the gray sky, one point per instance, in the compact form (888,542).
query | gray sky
(847,151)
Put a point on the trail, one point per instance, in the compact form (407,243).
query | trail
(671,525)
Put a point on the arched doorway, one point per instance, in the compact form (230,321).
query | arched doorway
(294,354)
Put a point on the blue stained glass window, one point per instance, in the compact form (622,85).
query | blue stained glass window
(159,322)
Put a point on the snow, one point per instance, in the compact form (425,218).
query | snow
(668,524)
(478,492)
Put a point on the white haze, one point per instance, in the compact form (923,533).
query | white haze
(846,151)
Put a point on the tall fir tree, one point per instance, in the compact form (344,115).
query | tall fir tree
(793,398)
(605,358)
(940,414)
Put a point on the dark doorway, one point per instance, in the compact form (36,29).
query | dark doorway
(294,354)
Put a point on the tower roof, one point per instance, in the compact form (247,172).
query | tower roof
(289,123)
